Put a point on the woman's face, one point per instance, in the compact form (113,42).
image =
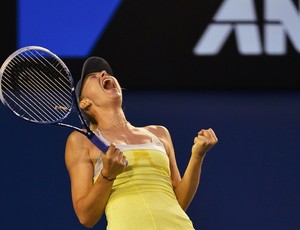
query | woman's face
(101,88)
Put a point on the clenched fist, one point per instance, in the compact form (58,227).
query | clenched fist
(205,140)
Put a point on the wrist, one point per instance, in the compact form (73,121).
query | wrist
(198,157)
(107,178)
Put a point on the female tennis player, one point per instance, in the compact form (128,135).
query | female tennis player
(136,183)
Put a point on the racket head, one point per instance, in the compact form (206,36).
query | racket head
(36,85)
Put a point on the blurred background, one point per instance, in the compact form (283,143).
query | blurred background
(227,64)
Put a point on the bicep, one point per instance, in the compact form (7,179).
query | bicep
(79,166)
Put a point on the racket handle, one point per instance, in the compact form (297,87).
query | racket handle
(100,144)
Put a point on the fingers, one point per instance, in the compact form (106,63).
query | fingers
(209,133)
(120,156)
(116,155)
(212,135)
(203,142)
(114,162)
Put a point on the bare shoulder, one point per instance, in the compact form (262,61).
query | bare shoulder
(79,163)
(158,130)
(164,136)
(76,139)
(77,147)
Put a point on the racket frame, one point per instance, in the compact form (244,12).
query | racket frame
(89,133)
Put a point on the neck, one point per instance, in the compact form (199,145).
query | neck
(112,119)
(112,126)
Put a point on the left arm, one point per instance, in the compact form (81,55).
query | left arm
(186,187)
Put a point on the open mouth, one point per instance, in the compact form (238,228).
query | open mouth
(108,84)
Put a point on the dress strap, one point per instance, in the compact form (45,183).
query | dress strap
(154,138)
(97,168)
(99,134)
(99,164)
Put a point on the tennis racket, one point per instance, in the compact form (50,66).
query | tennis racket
(37,86)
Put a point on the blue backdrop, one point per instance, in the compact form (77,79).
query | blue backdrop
(250,179)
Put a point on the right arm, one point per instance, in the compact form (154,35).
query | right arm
(89,198)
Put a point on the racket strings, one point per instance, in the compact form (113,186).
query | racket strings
(42,86)
(35,98)
(39,92)
(38,86)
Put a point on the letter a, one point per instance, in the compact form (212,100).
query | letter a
(231,12)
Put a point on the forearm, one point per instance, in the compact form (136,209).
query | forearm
(90,208)
(187,187)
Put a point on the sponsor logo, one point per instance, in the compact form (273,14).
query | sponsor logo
(281,21)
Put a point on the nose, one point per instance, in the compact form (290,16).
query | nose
(103,73)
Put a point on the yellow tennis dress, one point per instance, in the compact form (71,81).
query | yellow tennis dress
(142,198)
